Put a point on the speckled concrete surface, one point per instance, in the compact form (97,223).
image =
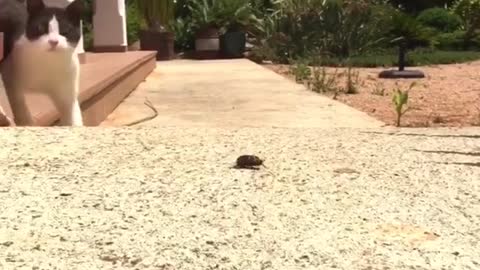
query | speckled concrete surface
(159,198)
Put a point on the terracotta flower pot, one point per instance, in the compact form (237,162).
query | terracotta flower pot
(162,42)
(207,43)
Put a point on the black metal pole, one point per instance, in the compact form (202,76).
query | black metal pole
(401,57)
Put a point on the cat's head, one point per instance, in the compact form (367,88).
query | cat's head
(52,28)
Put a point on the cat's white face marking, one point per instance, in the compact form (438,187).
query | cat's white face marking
(53,33)
(53,41)
(50,42)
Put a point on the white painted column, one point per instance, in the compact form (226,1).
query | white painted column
(109,26)
(80,47)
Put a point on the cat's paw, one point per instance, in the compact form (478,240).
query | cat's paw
(76,122)
(77,119)
(73,117)
(71,122)
(5,121)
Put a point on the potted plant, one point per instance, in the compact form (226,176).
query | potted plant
(237,16)
(205,15)
(157,37)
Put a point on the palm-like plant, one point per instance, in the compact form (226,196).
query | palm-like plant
(408,33)
(205,13)
(222,14)
(236,14)
(157,36)
(157,13)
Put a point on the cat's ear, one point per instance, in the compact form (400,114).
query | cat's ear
(75,10)
(35,6)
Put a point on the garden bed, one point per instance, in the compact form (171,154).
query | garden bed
(449,96)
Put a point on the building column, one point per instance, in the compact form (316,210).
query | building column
(80,47)
(109,26)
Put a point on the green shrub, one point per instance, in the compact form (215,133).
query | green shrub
(134,22)
(415,6)
(348,26)
(298,29)
(353,80)
(184,36)
(400,100)
(419,57)
(451,41)
(182,9)
(368,32)
(224,14)
(264,51)
(323,82)
(156,14)
(87,36)
(300,70)
(440,19)
(469,11)
(236,15)
(87,25)
(293,31)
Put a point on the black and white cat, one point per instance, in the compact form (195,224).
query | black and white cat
(41,56)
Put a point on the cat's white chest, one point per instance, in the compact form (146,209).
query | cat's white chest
(46,61)
(41,70)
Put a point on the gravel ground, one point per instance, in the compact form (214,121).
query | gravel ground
(449,95)
(161,198)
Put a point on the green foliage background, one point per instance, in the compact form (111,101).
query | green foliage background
(362,32)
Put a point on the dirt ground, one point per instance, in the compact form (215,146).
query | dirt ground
(449,96)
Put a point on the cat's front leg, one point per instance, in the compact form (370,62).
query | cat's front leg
(73,117)
(16,91)
(68,105)
(70,113)
(21,113)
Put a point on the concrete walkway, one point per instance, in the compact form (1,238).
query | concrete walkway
(232,93)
